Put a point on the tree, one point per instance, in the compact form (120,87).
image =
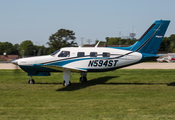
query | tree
(8,48)
(16,48)
(113,40)
(172,42)
(41,50)
(26,48)
(1,49)
(101,42)
(164,46)
(62,38)
(107,39)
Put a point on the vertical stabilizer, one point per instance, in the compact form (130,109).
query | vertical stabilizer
(150,41)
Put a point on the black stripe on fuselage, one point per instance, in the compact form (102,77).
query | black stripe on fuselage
(86,56)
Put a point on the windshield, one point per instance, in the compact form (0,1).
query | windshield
(64,54)
(55,52)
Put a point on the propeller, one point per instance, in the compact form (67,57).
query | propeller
(15,62)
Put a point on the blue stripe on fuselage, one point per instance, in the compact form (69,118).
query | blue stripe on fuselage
(34,69)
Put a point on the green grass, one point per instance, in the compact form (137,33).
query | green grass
(120,94)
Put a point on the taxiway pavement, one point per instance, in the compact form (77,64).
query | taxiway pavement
(137,66)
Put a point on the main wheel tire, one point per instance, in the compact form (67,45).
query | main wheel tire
(31,82)
(64,83)
(83,79)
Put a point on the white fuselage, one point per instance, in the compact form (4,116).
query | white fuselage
(86,58)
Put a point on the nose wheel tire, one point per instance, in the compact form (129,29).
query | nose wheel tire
(31,82)
(64,83)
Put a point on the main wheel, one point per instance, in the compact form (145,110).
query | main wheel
(31,82)
(83,79)
(64,83)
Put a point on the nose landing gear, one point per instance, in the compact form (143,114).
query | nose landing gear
(31,81)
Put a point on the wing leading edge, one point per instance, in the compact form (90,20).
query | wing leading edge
(61,68)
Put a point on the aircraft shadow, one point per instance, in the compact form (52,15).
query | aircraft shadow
(137,83)
(171,84)
(77,86)
(116,83)
(103,80)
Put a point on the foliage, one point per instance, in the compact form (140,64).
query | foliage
(62,38)
(8,48)
(26,48)
(101,42)
(116,95)
(168,43)
(16,47)
(119,41)
(172,42)
(41,50)
(164,44)
(66,38)
(113,41)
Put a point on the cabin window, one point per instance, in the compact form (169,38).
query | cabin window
(80,54)
(64,54)
(93,54)
(106,54)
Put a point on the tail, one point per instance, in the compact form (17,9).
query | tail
(150,41)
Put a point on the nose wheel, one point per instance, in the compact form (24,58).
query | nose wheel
(31,81)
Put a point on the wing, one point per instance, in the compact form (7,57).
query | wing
(60,68)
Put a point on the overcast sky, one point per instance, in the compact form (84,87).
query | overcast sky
(36,20)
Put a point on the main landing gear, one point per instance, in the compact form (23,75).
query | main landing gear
(64,83)
(67,74)
(66,77)
(83,77)
(31,81)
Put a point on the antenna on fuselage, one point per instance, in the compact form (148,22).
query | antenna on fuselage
(97,44)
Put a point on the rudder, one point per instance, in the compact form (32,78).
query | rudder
(150,41)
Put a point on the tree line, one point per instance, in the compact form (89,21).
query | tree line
(66,38)
(62,38)
(168,43)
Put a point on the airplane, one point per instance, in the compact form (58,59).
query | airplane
(95,59)
(169,58)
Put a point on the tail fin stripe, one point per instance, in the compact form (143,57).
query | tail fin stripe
(146,31)
(148,38)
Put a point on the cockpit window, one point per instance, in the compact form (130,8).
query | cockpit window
(55,52)
(64,54)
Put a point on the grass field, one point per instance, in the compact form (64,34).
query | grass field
(120,94)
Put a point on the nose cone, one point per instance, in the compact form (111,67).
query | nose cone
(15,62)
